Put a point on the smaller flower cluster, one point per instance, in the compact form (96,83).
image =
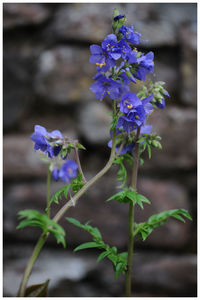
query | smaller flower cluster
(67,172)
(48,142)
(135,112)
(53,144)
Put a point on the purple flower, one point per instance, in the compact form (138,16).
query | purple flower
(106,87)
(146,66)
(132,57)
(66,172)
(125,149)
(55,174)
(110,46)
(47,142)
(148,107)
(129,102)
(130,35)
(117,18)
(132,120)
(145,129)
(162,104)
(124,123)
(138,116)
(125,49)
(101,59)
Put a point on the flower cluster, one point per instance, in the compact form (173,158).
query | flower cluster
(53,144)
(113,78)
(119,63)
(66,172)
(47,142)
(135,112)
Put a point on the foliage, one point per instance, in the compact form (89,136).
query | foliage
(34,219)
(122,172)
(148,141)
(37,290)
(119,260)
(143,230)
(128,195)
(75,185)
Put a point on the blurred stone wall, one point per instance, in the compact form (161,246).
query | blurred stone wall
(47,77)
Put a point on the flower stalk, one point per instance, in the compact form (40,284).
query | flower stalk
(48,192)
(131,218)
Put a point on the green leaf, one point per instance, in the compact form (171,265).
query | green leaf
(35,219)
(75,222)
(115,12)
(80,146)
(109,252)
(128,195)
(77,183)
(149,151)
(37,290)
(157,220)
(102,256)
(86,246)
(58,195)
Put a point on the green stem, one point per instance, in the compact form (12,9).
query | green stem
(30,264)
(48,192)
(131,219)
(62,211)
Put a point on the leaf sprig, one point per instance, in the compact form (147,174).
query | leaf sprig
(148,141)
(119,260)
(35,219)
(143,230)
(75,185)
(122,172)
(128,195)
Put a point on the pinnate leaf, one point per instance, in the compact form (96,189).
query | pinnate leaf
(119,260)
(143,230)
(35,219)
(86,246)
(128,195)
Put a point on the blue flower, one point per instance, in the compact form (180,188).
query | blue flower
(132,120)
(125,148)
(101,59)
(66,172)
(129,102)
(146,129)
(145,67)
(132,57)
(106,87)
(110,46)
(50,143)
(117,18)
(124,123)
(130,35)
(124,48)
(148,107)
(138,116)
(162,103)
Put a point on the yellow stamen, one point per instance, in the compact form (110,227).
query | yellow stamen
(130,106)
(137,117)
(108,92)
(100,64)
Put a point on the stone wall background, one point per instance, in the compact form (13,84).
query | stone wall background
(47,77)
